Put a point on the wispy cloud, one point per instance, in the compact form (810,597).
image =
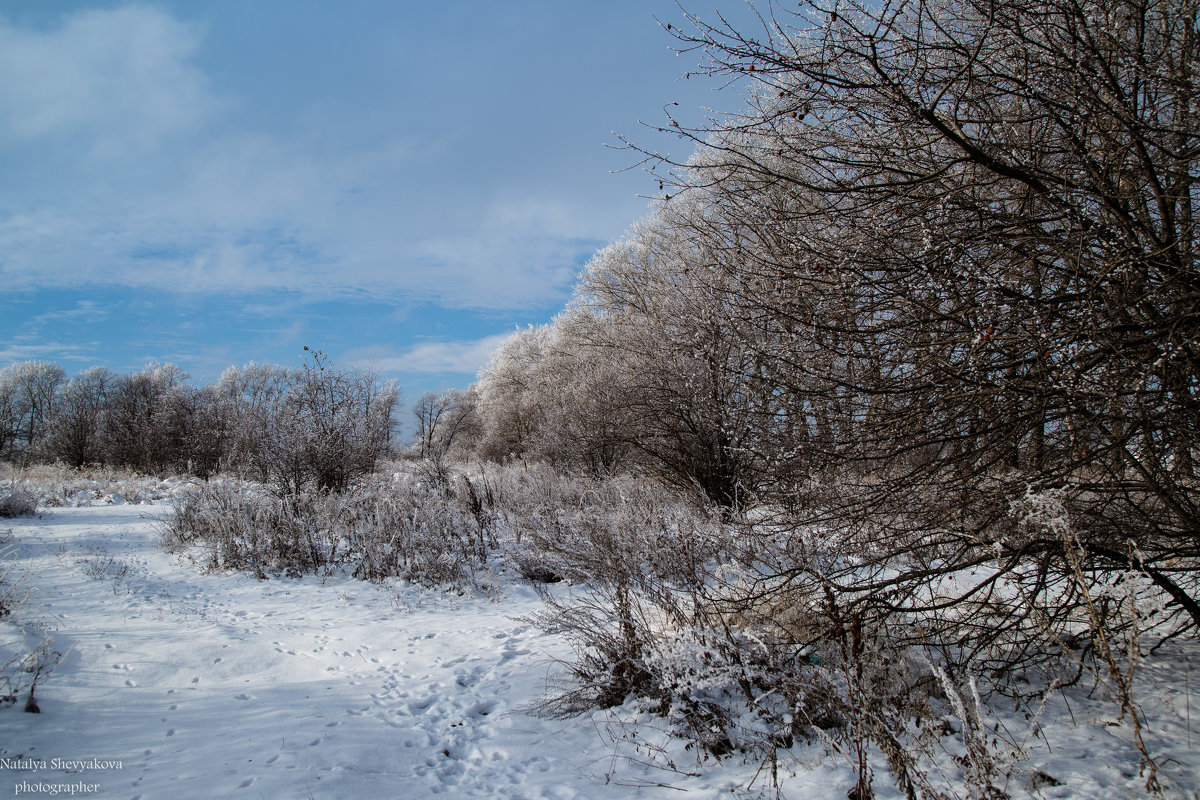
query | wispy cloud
(84,311)
(435,358)
(133,168)
(114,81)
(49,351)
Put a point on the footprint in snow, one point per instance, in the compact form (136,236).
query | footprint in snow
(419,706)
(467,679)
(484,708)
(510,653)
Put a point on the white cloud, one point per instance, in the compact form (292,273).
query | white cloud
(110,80)
(436,358)
(130,168)
(84,310)
(52,351)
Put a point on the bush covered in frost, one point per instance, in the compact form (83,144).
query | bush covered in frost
(27,654)
(427,532)
(749,635)
(56,486)
(17,503)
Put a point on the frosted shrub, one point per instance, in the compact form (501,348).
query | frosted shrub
(588,530)
(17,503)
(640,555)
(27,654)
(421,532)
(56,485)
(26,657)
(726,630)
(328,427)
(239,526)
(377,529)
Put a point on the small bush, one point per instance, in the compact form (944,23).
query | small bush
(27,654)
(242,528)
(17,503)
(57,485)
(427,533)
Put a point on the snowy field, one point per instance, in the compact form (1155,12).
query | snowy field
(206,685)
(180,684)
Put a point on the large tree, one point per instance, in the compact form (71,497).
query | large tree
(982,216)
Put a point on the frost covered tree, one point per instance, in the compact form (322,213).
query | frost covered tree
(251,397)
(444,419)
(931,291)
(929,297)
(74,431)
(510,402)
(9,416)
(139,422)
(331,426)
(550,395)
(987,213)
(28,391)
(687,391)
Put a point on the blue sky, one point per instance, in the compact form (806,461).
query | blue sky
(400,184)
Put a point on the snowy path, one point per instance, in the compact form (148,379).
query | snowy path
(206,686)
(225,686)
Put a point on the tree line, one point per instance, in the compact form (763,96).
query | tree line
(932,291)
(930,295)
(317,426)
(943,257)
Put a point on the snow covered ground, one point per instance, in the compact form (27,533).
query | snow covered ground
(206,685)
(180,684)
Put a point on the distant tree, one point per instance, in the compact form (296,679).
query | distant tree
(9,416)
(429,410)
(511,410)
(462,430)
(28,391)
(74,431)
(142,420)
(688,390)
(647,369)
(210,432)
(250,398)
(331,427)
(442,419)
(585,424)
